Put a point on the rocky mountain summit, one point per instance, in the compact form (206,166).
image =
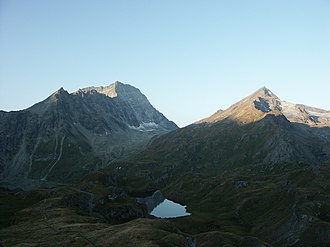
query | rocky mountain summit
(264,102)
(250,109)
(68,135)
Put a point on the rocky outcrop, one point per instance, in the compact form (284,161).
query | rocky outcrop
(83,200)
(311,116)
(117,206)
(152,201)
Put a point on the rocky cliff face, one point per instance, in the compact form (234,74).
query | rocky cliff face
(127,105)
(68,135)
(311,116)
(152,201)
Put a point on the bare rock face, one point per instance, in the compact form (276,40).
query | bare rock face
(152,201)
(68,135)
(311,116)
(128,105)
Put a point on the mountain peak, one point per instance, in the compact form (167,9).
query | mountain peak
(58,94)
(264,88)
(252,108)
(113,90)
(61,90)
(118,83)
(264,102)
(264,91)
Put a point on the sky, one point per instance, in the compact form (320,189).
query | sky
(190,58)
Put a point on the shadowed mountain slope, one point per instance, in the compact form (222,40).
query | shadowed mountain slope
(253,131)
(68,135)
(245,171)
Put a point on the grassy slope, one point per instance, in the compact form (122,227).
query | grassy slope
(52,222)
(13,201)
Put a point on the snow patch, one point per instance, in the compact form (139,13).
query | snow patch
(268,92)
(318,114)
(290,109)
(145,127)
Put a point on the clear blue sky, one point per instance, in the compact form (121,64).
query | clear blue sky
(189,58)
